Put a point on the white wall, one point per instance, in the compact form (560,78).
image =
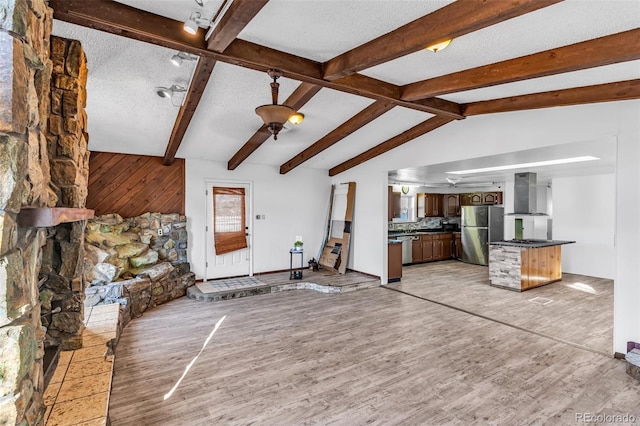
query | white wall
(294,204)
(502,133)
(584,211)
(626,292)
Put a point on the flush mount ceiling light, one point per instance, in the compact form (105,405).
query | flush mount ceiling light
(192,24)
(434,47)
(453,179)
(179,57)
(274,115)
(168,92)
(525,165)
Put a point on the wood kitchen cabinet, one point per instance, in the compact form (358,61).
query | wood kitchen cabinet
(394,204)
(416,251)
(431,247)
(430,205)
(492,198)
(442,246)
(451,204)
(457,245)
(481,198)
(394,262)
(422,249)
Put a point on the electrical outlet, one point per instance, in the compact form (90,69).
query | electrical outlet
(263,217)
(159,232)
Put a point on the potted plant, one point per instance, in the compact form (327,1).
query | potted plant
(297,245)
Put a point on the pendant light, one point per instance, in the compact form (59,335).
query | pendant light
(275,115)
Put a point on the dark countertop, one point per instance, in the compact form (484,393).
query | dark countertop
(530,243)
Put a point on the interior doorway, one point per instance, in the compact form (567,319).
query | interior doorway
(226,202)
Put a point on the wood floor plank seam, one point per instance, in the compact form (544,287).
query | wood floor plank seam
(517,327)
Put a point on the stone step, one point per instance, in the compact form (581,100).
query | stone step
(633,363)
(233,288)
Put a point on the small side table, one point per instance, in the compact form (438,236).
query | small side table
(295,275)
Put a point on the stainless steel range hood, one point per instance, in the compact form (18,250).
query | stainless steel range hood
(525,199)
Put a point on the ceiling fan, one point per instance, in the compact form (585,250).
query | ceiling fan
(456,182)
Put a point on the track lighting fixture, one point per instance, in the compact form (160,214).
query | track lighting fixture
(168,92)
(179,57)
(193,23)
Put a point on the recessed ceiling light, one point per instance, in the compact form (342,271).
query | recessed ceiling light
(524,165)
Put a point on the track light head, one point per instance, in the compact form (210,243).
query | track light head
(180,57)
(168,92)
(192,24)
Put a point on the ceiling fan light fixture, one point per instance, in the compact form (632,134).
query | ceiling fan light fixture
(435,47)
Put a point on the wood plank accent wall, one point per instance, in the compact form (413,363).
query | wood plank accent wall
(131,185)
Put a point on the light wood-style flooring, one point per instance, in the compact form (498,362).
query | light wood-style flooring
(374,356)
(581,310)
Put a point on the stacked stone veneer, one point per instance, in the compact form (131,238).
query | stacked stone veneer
(61,276)
(504,266)
(138,262)
(67,137)
(25,71)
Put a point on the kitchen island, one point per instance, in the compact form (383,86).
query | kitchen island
(524,264)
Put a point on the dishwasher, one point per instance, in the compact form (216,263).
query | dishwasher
(406,248)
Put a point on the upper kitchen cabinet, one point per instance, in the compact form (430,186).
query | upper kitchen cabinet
(481,198)
(394,204)
(451,205)
(492,198)
(471,199)
(430,205)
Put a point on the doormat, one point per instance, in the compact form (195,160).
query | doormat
(229,284)
(541,300)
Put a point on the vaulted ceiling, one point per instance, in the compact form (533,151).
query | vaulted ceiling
(357,69)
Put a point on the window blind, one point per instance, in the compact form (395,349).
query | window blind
(229,219)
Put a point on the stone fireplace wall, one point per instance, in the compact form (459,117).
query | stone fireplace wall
(61,275)
(43,164)
(25,70)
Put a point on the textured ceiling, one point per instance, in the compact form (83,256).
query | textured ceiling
(126,115)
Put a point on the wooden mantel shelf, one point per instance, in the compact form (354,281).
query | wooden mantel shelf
(42,217)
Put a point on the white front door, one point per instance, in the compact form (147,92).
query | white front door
(236,263)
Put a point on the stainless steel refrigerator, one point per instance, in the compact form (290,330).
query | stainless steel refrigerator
(480,225)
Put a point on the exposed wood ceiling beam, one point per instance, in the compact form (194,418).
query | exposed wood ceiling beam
(611,49)
(234,20)
(619,91)
(239,14)
(369,87)
(298,98)
(192,99)
(454,20)
(126,21)
(414,132)
(364,117)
